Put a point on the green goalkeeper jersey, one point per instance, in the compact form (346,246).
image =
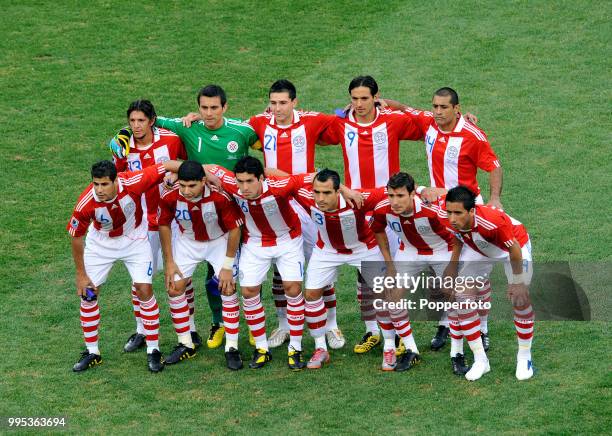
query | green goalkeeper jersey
(223,146)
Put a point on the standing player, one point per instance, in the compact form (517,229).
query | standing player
(148,145)
(208,230)
(370,139)
(344,237)
(496,237)
(271,234)
(113,203)
(425,242)
(455,150)
(214,140)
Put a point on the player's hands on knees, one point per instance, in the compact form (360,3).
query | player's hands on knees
(226,282)
(171,270)
(190,118)
(83,281)
(518,294)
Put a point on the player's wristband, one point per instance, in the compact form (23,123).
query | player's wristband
(420,189)
(228,263)
(517,279)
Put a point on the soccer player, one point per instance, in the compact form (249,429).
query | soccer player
(208,230)
(370,139)
(214,140)
(271,234)
(455,150)
(425,242)
(113,202)
(148,145)
(344,237)
(495,237)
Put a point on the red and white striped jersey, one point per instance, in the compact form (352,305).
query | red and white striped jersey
(345,230)
(371,152)
(492,233)
(291,148)
(208,217)
(166,146)
(268,220)
(123,214)
(423,229)
(454,157)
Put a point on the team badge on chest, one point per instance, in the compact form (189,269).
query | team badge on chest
(347,222)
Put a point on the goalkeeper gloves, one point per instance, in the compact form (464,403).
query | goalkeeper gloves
(120,144)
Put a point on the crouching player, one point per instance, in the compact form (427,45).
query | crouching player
(208,230)
(344,237)
(425,242)
(495,237)
(271,234)
(114,203)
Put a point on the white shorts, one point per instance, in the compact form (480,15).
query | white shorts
(255,262)
(188,253)
(409,262)
(474,264)
(323,266)
(156,251)
(102,252)
(309,228)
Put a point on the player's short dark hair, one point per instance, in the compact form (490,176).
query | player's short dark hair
(367,81)
(212,91)
(249,165)
(144,106)
(446,92)
(326,174)
(401,180)
(461,194)
(191,170)
(104,168)
(283,85)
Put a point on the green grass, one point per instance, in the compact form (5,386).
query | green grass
(537,75)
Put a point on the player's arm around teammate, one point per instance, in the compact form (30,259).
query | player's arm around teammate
(208,229)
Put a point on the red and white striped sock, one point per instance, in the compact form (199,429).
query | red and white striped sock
(190,294)
(179,311)
(365,297)
(149,311)
(523,323)
(295,317)
(388,331)
(231,320)
(90,319)
(316,318)
(484,295)
(280,300)
(256,320)
(455,333)
(401,324)
(470,326)
(329,298)
(136,307)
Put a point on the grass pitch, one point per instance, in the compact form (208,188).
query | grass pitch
(536,74)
